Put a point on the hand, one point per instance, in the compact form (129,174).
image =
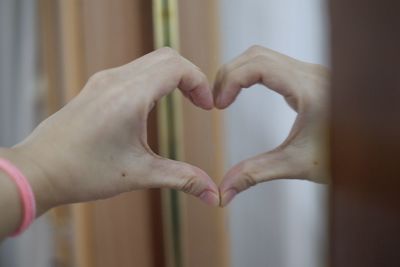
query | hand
(304,87)
(96,146)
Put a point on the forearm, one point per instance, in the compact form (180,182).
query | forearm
(10,204)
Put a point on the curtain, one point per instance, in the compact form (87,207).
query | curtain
(19,112)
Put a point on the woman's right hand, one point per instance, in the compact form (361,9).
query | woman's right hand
(96,146)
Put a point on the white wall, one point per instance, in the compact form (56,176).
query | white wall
(280,223)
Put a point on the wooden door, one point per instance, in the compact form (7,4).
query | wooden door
(205,237)
(365,133)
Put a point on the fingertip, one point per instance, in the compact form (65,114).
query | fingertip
(221,106)
(223,101)
(202,97)
(210,198)
(210,101)
(227,197)
(231,184)
(209,104)
(219,102)
(204,104)
(210,193)
(219,95)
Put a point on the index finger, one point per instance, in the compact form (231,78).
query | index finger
(256,65)
(172,71)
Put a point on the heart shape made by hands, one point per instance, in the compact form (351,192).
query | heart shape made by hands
(304,87)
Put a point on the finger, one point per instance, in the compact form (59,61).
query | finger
(248,74)
(184,177)
(144,63)
(257,65)
(227,68)
(173,71)
(126,72)
(265,167)
(234,81)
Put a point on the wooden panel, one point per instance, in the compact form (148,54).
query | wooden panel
(50,53)
(81,37)
(365,214)
(71,58)
(126,229)
(116,32)
(72,80)
(169,117)
(205,238)
(52,70)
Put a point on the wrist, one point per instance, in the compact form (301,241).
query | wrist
(21,158)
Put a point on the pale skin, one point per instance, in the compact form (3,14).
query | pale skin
(96,146)
(304,86)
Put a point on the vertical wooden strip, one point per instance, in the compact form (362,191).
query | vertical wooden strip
(125,229)
(365,130)
(80,38)
(205,237)
(169,110)
(72,47)
(73,63)
(50,53)
(52,32)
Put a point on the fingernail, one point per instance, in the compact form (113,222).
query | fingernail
(210,101)
(227,197)
(209,198)
(218,100)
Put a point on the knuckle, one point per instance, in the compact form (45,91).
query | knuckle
(100,77)
(232,79)
(259,59)
(168,52)
(224,69)
(248,179)
(320,70)
(249,175)
(172,58)
(255,50)
(189,184)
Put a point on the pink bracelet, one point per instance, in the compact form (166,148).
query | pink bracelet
(25,192)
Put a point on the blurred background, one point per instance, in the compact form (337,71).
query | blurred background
(49,48)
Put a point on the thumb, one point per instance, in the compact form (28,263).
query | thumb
(265,167)
(184,177)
